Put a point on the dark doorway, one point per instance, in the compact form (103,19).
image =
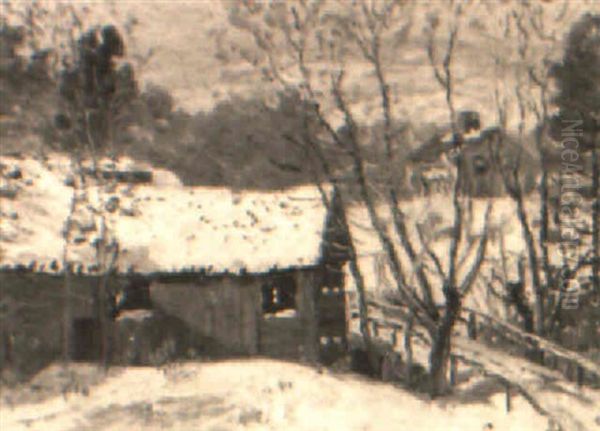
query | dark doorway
(86,339)
(136,295)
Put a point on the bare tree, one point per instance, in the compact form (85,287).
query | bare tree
(533,47)
(84,126)
(294,41)
(453,291)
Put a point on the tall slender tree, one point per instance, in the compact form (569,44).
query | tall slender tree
(89,84)
(578,100)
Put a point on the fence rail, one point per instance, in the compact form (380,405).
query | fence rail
(476,321)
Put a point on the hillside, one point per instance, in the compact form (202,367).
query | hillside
(199,62)
(200,108)
(209,68)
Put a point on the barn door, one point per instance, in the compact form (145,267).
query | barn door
(281,333)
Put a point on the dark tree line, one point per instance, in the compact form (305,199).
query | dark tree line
(226,146)
(578,99)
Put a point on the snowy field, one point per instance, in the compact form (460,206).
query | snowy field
(435,216)
(264,395)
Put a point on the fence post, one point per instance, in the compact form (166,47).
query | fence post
(394,337)
(408,348)
(569,371)
(453,370)
(554,363)
(507,396)
(472,326)
(580,375)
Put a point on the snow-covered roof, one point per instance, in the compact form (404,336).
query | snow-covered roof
(159,226)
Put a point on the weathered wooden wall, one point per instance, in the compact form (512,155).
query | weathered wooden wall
(31,317)
(308,286)
(222,313)
(227,312)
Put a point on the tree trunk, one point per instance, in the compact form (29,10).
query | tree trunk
(516,294)
(106,307)
(544,224)
(539,309)
(596,218)
(67,294)
(439,356)
(408,348)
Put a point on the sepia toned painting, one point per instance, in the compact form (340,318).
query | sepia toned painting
(316,215)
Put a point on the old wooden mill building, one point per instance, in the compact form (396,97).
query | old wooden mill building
(200,271)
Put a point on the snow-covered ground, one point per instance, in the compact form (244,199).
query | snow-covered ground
(265,395)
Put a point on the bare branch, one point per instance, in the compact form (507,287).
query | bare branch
(430,252)
(358,168)
(469,280)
